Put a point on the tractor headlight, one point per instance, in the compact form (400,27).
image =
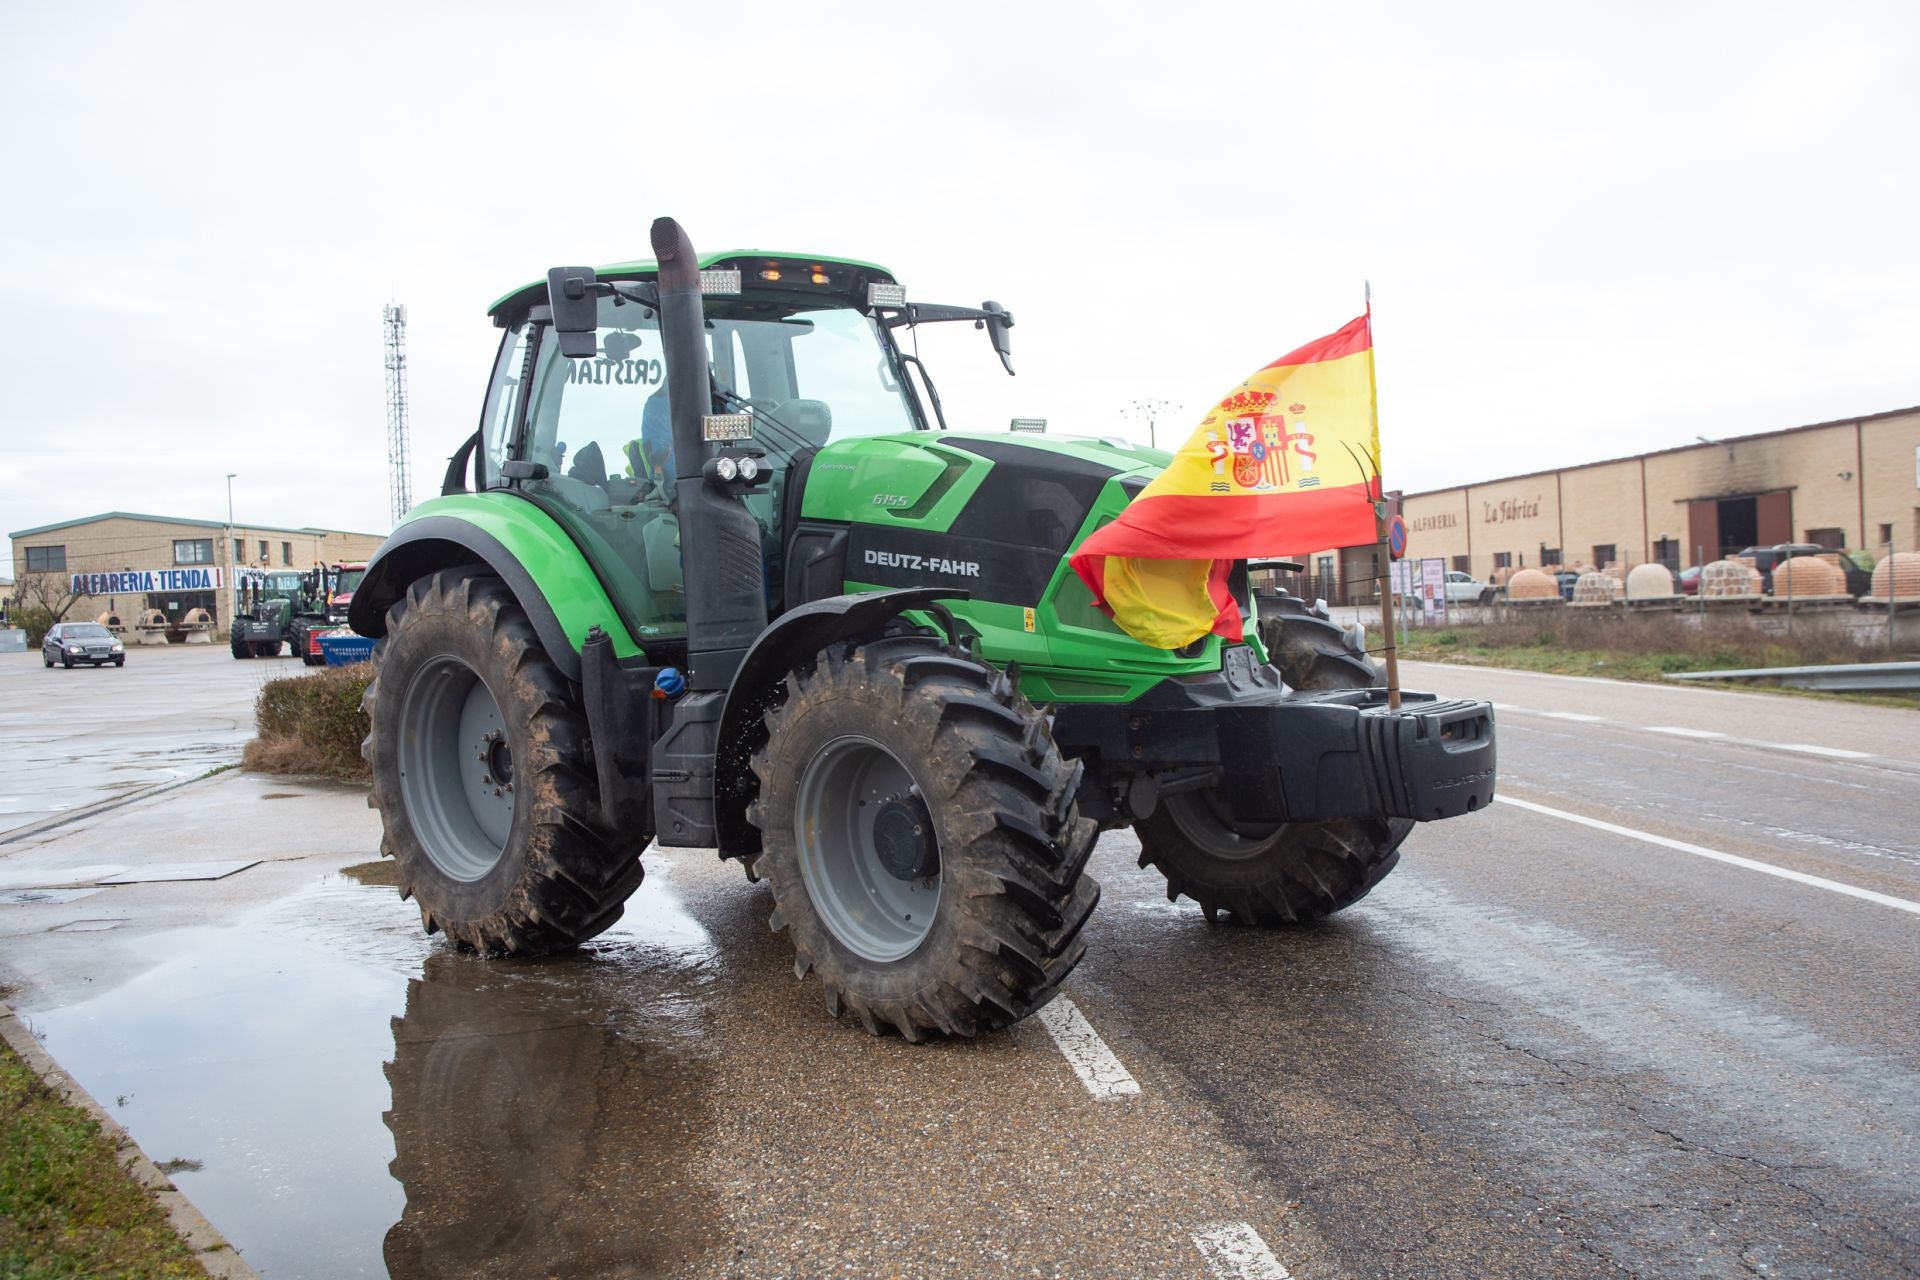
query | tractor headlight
(726,468)
(749,468)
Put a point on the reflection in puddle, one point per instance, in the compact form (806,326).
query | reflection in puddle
(348,1098)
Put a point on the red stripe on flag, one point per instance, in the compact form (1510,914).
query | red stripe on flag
(1356,335)
(1226,619)
(1213,526)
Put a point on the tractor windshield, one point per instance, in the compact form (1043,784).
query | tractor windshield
(808,374)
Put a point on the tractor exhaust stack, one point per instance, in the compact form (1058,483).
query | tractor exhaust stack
(719,539)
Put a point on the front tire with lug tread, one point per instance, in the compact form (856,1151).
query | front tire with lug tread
(483,776)
(1286,873)
(920,837)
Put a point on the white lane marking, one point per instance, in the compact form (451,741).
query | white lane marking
(1711,735)
(1235,1251)
(1085,1051)
(1733,860)
(1838,753)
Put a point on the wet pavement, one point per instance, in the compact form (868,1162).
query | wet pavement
(1539,1048)
(72,738)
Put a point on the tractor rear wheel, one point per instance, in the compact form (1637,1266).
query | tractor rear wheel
(483,778)
(920,835)
(1277,873)
(240,648)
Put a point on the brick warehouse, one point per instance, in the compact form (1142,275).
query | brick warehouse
(1852,483)
(190,562)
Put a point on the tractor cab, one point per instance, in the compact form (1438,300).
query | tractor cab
(799,354)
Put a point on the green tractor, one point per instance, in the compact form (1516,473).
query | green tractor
(265,606)
(712,572)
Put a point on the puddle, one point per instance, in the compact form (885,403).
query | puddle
(379,872)
(42,897)
(345,1097)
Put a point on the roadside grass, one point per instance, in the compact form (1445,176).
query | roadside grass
(312,725)
(1647,647)
(67,1208)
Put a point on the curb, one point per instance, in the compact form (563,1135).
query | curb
(211,1249)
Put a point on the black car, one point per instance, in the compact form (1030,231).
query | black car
(72,643)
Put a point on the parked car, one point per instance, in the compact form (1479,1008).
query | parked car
(72,643)
(1566,578)
(1688,580)
(1464,588)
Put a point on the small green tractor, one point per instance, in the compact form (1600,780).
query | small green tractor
(713,572)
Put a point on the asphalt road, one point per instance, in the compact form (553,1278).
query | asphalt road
(71,738)
(1680,1042)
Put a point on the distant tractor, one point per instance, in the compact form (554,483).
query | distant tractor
(712,571)
(264,608)
(328,595)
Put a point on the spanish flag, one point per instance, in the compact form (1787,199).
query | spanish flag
(1288,462)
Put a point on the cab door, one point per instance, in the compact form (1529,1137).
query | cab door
(596,429)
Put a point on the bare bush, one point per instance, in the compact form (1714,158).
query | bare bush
(312,724)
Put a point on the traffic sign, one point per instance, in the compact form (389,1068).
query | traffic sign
(1396,537)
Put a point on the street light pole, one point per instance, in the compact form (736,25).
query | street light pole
(232,568)
(1151,409)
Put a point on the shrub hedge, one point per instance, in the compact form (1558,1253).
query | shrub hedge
(312,724)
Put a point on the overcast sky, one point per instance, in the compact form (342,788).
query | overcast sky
(1590,231)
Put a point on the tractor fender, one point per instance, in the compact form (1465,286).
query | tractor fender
(429,543)
(792,638)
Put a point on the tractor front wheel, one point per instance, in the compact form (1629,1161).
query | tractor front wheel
(919,833)
(483,779)
(1284,873)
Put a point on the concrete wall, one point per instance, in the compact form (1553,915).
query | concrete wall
(120,542)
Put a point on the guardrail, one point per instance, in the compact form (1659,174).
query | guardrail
(1899,676)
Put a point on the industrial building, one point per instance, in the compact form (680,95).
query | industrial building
(1851,484)
(127,563)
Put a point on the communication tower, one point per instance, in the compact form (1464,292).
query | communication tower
(399,453)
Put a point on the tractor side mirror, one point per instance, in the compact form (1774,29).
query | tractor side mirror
(572,294)
(999,322)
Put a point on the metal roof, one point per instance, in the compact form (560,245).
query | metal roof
(220,525)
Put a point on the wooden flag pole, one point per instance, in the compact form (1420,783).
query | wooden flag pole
(1380,525)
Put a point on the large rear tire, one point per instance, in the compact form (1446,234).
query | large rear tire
(921,839)
(1287,873)
(483,779)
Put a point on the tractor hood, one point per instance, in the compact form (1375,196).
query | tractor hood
(989,513)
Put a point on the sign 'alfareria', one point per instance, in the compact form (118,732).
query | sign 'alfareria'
(134,581)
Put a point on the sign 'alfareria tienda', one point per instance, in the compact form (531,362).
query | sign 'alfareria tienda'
(134,581)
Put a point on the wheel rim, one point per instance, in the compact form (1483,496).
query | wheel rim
(1204,818)
(868,850)
(456,769)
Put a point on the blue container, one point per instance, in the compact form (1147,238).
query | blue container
(342,651)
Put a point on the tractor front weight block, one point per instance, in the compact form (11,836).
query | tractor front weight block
(1285,756)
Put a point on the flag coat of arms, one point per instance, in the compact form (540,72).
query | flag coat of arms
(1287,462)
